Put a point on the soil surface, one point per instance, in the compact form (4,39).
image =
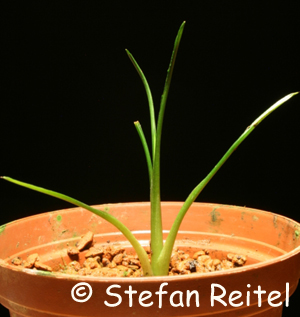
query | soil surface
(110,260)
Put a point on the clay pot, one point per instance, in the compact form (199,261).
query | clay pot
(271,243)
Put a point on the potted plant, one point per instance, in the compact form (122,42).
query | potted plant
(271,242)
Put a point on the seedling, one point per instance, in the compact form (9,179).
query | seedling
(161,252)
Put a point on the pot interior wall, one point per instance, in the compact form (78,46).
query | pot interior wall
(261,235)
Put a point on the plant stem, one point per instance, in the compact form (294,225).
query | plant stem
(167,250)
(156,223)
(142,254)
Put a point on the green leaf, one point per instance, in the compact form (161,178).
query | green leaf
(145,146)
(150,100)
(166,253)
(156,223)
(147,271)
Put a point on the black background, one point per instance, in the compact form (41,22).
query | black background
(70,96)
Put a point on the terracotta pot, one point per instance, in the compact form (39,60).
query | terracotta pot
(271,242)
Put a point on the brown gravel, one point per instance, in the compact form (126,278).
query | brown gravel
(85,241)
(113,260)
